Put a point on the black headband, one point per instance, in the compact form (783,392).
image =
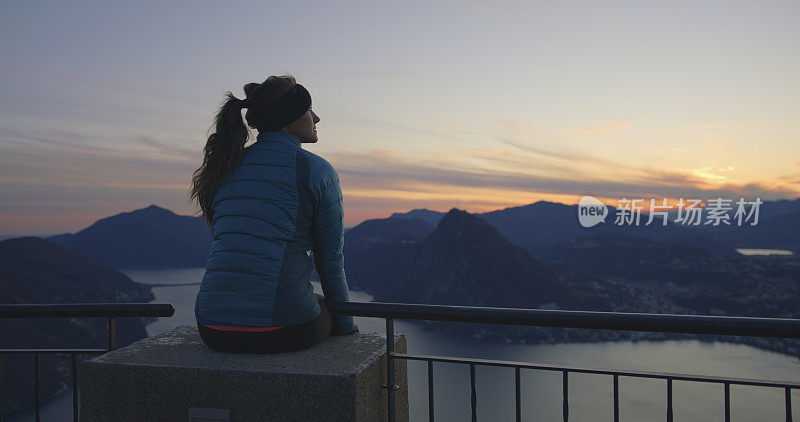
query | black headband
(288,108)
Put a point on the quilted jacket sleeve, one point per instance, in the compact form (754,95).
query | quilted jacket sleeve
(328,243)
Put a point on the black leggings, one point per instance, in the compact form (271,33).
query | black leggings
(282,340)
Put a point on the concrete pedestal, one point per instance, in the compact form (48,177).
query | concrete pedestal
(161,378)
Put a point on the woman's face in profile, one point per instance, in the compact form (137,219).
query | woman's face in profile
(305,127)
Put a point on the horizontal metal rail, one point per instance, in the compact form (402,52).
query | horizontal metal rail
(22,351)
(87,310)
(639,374)
(662,323)
(665,323)
(111,311)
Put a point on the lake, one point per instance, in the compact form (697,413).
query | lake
(764,252)
(590,396)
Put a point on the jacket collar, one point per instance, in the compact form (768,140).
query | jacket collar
(280,137)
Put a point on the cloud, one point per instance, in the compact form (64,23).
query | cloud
(517,127)
(790,179)
(146,140)
(65,133)
(719,147)
(440,130)
(57,208)
(708,174)
(372,175)
(542,70)
(53,167)
(52,170)
(59,141)
(577,163)
(564,155)
(83,79)
(50,137)
(449,126)
(603,128)
(53,188)
(358,74)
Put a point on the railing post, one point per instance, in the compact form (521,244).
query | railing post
(112,333)
(616,397)
(519,394)
(390,386)
(36,403)
(669,399)
(565,386)
(727,402)
(1,387)
(74,387)
(473,396)
(788,404)
(430,391)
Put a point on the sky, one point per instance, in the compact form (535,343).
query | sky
(105,106)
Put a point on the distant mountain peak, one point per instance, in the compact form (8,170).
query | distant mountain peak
(549,204)
(456,211)
(153,209)
(456,215)
(424,214)
(460,226)
(390,230)
(467,261)
(151,237)
(415,211)
(418,210)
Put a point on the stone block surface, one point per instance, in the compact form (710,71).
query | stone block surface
(160,378)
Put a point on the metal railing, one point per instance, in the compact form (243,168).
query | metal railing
(112,311)
(686,324)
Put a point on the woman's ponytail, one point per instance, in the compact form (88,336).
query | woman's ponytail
(223,153)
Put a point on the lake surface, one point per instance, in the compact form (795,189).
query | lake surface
(590,396)
(764,252)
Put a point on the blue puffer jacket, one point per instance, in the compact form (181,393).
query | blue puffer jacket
(281,205)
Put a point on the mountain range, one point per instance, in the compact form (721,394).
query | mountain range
(149,238)
(464,260)
(156,238)
(34,270)
(546,223)
(536,256)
